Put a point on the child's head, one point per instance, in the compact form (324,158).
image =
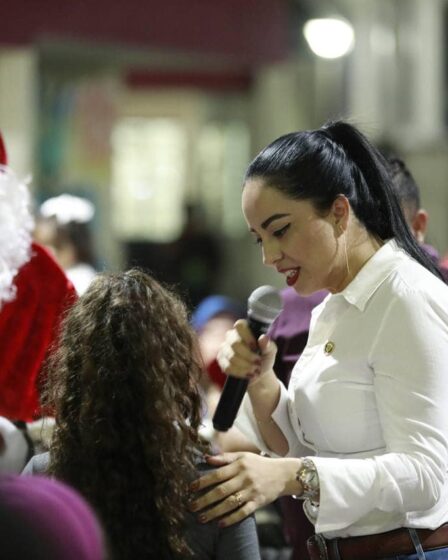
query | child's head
(123,383)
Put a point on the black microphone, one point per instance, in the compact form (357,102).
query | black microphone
(263,306)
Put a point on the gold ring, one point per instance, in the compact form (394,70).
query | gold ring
(237,499)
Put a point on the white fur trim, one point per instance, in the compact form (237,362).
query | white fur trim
(16,225)
(12,459)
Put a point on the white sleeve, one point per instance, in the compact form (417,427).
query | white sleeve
(409,358)
(248,425)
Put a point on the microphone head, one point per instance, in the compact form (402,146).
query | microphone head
(264,304)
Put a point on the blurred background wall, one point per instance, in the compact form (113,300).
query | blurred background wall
(152,110)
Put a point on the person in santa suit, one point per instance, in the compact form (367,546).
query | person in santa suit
(34,293)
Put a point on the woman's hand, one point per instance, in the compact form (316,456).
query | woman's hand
(242,356)
(243,483)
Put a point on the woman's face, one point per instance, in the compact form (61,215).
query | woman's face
(301,244)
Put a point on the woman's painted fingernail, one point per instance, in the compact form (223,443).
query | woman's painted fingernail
(193,506)
(194,486)
(222,524)
(203,518)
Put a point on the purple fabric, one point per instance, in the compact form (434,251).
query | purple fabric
(434,254)
(47,519)
(290,330)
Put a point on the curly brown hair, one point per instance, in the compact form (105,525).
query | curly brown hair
(123,384)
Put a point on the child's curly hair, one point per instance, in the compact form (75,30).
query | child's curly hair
(124,387)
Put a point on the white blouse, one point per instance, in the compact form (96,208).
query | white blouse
(371,409)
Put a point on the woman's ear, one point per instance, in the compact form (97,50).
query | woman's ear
(340,212)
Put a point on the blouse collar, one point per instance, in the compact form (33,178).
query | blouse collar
(373,273)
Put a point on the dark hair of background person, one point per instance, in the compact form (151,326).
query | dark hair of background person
(319,165)
(124,387)
(75,234)
(405,186)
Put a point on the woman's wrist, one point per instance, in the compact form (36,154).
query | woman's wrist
(292,486)
(264,397)
(263,383)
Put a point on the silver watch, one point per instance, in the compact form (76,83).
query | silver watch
(308,477)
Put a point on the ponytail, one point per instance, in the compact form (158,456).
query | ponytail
(382,215)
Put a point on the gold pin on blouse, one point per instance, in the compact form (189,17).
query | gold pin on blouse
(329,347)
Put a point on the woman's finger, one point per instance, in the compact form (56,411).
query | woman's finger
(235,504)
(219,475)
(242,328)
(238,514)
(217,460)
(239,342)
(240,367)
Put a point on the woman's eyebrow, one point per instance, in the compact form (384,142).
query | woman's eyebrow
(266,223)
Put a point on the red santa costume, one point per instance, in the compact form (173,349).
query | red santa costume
(34,292)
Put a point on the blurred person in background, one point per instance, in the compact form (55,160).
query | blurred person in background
(63,225)
(211,320)
(44,519)
(417,218)
(213,317)
(34,294)
(124,384)
(196,256)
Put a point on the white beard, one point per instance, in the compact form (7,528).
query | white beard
(16,225)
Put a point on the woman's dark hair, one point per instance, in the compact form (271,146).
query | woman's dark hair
(318,165)
(123,384)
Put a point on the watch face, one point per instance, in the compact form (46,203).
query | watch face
(309,478)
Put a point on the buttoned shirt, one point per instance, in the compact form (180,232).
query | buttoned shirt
(368,400)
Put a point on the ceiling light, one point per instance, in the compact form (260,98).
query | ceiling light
(329,37)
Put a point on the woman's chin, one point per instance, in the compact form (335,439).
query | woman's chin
(304,289)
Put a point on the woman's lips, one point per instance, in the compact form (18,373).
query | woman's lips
(292,276)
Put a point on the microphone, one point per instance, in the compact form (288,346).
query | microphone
(263,306)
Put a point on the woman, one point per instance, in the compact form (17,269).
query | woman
(362,433)
(124,386)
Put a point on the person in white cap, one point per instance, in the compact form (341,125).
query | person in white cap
(63,226)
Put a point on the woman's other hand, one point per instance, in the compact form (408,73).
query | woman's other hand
(243,483)
(241,355)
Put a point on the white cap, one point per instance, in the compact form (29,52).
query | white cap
(67,208)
